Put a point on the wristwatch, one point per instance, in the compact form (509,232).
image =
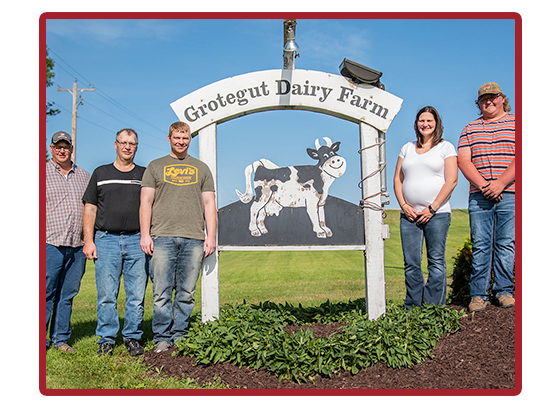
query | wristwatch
(431,209)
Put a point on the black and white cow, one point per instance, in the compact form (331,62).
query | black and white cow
(293,186)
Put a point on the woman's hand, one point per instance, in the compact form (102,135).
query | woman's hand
(424,216)
(409,212)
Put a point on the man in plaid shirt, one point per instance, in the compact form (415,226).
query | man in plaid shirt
(65,261)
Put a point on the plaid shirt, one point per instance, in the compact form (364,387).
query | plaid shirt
(65,208)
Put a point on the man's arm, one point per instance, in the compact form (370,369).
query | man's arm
(147,196)
(496,187)
(468,169)
(90,212)
(210,216)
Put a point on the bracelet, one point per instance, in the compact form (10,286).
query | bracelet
(431,209)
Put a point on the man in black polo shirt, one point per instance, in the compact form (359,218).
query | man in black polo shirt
(112,239)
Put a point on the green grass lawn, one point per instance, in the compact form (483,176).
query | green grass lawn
(309,278)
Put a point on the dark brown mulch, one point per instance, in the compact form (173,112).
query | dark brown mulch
(479,356)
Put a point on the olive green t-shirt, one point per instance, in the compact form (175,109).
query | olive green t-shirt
(177,210)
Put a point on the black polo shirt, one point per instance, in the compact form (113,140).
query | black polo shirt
(117,197)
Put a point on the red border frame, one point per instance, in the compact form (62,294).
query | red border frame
(22,39)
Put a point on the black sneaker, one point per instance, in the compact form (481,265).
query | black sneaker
(106,348)
(134,348)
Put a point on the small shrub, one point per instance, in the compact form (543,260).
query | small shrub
(460,290)
(462,266)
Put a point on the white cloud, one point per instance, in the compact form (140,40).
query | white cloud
(109,31)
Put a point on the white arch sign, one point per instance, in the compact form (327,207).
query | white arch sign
(287,89)
(372,108)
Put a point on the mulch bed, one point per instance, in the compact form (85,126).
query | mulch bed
(479,356)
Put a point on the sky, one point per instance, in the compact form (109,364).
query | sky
(139,66)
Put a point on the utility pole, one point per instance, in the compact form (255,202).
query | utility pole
(75,92)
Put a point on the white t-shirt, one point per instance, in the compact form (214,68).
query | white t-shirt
(424,174)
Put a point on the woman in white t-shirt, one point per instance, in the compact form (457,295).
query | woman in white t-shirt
(425,177)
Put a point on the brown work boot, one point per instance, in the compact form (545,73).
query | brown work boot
(478,304)
(506,300)
(66,348)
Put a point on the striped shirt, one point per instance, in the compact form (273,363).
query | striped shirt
(65,209)
(492,145)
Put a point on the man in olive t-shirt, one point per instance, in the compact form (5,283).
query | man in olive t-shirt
(177,198)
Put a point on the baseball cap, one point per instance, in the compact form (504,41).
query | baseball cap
(61,136)
(489,88)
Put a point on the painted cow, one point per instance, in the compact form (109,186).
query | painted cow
(293,186)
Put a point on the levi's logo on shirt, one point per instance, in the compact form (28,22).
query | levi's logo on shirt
(180,174)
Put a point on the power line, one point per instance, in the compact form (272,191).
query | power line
(106,96)
(106,113)
(104,128)
(118,104)
(51,51)
(88,103)
(122,121)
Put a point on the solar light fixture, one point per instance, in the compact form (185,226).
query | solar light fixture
(360,73)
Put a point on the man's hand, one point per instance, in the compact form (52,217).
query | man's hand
(493,190)
(147,196)
(147,245)
(209,246)
(210,216)
(90,250)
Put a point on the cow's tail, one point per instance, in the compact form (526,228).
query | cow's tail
(248,195)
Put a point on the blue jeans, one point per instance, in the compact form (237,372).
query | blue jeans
(434,232)
(493,237)
(120,255)
(175,264)
(65,269)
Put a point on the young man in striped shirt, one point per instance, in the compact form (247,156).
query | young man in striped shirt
(486,154)
(112,239)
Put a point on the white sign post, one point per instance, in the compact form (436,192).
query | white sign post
(210,277)
(372,108)
(373,224)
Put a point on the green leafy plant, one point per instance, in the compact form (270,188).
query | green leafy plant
(462,266)
(460,290)
(254,336)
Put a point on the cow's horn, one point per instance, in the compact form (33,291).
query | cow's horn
(329,141)
(317,144)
